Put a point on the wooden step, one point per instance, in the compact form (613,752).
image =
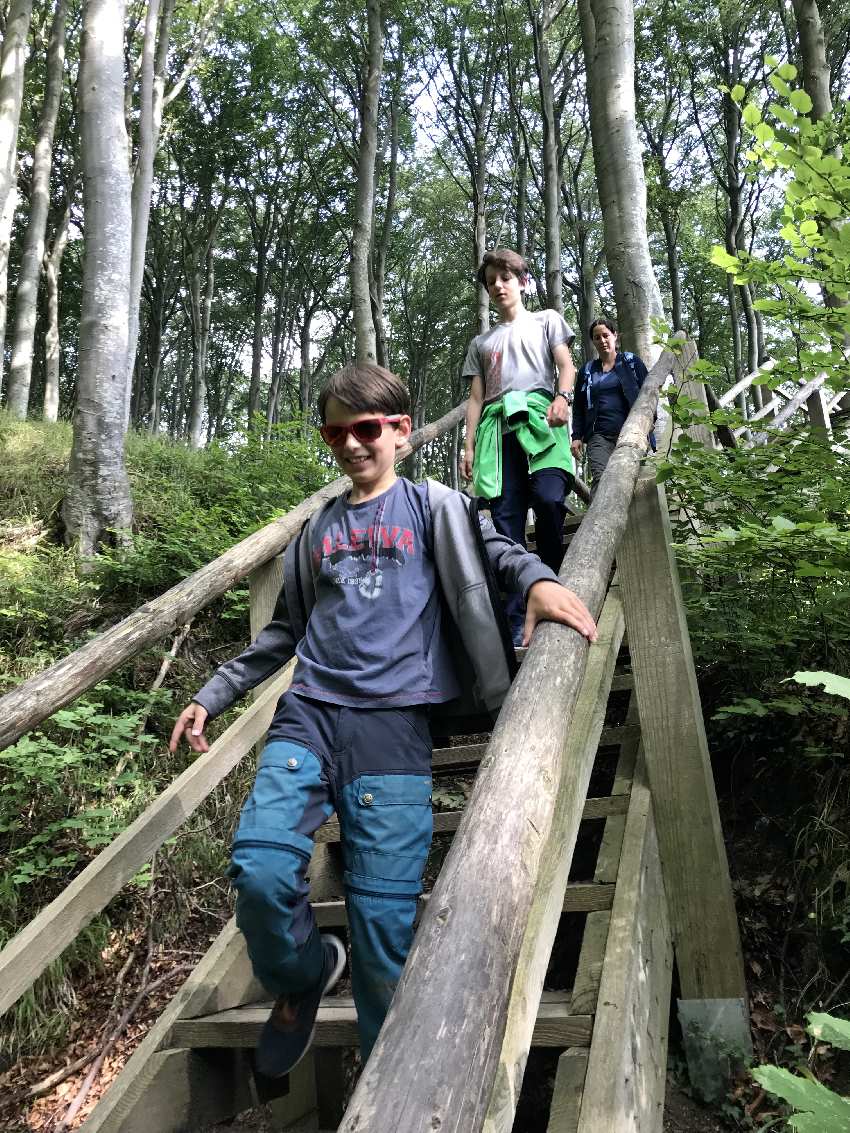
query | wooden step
(446,822)
(446,758)
(581,897)
(336,1025)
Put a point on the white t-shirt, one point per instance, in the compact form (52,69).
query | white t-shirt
(518,355)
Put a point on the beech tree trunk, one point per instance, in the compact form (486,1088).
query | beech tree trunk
(52,267)
(813,56)
(607,28)
(98,498)
(26,298)
(551,165)
(365,345)
(154,58)
(12,58)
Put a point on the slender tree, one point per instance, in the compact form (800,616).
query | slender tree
(12,58)
(364,326)
(26,296)
(97,503)
(608,39)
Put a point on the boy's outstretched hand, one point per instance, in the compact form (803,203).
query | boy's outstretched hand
(551,602)
(190,723)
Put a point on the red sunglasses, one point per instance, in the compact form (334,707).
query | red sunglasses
(366,431)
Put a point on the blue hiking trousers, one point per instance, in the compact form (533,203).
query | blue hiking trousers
(373,766)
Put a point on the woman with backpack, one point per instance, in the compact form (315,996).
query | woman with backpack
(605,391)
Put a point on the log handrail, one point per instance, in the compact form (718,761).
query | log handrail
(29,952)
(744,383)
(796,402)
(436,1063)
(39,697)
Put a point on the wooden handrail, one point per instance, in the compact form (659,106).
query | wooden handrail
(729,396)
(436,1063)
(796,402)
(51,689)
(29,952)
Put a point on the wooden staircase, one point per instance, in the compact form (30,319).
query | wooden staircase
(592,835)
(614,921)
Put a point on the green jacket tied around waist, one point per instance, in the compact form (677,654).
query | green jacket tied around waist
(524,414)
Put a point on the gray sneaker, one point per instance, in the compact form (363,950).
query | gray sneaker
(288,1032)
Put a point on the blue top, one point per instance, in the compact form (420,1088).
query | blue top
(374,637)
(629,372)
(611,406)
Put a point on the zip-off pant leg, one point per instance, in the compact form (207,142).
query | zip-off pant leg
(385,822)
(271,852)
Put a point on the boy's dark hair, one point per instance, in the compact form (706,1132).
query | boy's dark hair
(601,323)
(366,388)
(503,259)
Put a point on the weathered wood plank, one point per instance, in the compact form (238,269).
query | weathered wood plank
(567,1093)
(446,822)
(27,955)
(447,757)
(624,1086)
(693,855)
(129,1089)
(336,1025)
(39,697)
(581,897)
(437,1055)
(589,969)
(544,916)
(608,858)
(185,1090)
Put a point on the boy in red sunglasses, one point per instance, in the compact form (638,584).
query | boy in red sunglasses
(390,603)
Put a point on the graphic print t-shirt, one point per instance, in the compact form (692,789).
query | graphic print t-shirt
(374,637)
(518,355)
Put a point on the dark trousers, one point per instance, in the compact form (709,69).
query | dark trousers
(544,493)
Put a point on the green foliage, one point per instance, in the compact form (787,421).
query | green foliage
(818,1108)
(59,797)
(810,158)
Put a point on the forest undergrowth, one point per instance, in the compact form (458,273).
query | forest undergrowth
(765,559)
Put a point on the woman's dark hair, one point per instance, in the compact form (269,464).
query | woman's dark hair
(503,259)
(366,388)
(601,322)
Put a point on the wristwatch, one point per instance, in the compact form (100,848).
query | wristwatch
(567,395)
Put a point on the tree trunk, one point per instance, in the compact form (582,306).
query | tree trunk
(12,59)
(607,28)
(201,305)
(26,299)
(813,55)
(382,250)
(365,348)
(154,58)
(52,267)
(98,497)
(551,163)
(305,374)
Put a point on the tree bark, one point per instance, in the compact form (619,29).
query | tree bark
(154,59)
(12,59)
(551,162)
(201,286)
(26,298)
(52,267)
(365,348)
(98,498)
(813,55)
(607,28)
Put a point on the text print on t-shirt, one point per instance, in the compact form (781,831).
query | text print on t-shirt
(360,556)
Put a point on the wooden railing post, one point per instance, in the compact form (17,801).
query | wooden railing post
(693,856)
